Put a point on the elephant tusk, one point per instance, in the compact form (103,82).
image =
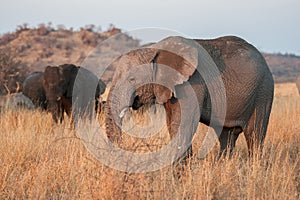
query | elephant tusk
(58,98)
(122,113)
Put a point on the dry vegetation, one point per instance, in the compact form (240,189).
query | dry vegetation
(40,160)
(32,49)
(284,67)
(29,49)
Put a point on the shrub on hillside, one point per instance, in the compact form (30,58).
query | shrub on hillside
(12,73)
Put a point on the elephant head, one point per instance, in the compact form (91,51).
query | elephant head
(58,85)
(140,79)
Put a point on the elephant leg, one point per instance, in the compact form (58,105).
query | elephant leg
(66,105)
(172,108)
(55,118)
(68,110)
(173,120)
(228,139)
(61,114)
(256,129)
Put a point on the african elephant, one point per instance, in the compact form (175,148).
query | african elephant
(171,71)
(298,84)
(58,84)
(15,100)
(33,89)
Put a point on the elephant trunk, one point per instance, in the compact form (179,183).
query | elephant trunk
(115,109)
(56,111)
(112,122)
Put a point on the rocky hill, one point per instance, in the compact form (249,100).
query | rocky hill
(284,67)
(32,49)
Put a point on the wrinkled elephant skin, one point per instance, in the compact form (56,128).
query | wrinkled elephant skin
(247,80)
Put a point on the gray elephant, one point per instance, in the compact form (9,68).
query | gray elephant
(15,100)
(181,68)
(34,90)
(59,82)
(298,84)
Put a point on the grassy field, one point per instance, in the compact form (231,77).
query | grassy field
(41,160)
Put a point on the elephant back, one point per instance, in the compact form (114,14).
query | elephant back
(33,89)
(14,101)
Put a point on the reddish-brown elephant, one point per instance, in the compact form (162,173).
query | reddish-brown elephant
(59,83)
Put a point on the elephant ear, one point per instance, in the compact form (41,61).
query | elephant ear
(69,72)
(174,63)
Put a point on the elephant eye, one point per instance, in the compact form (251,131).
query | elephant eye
(131,79)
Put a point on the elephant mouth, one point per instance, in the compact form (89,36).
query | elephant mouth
(136,103)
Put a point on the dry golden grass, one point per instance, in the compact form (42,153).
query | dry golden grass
(41,160)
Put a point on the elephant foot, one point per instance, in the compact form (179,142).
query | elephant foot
(227,140)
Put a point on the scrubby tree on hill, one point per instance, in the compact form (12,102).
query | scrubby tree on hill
(12,73)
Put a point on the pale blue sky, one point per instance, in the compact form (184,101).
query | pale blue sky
(270,25)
